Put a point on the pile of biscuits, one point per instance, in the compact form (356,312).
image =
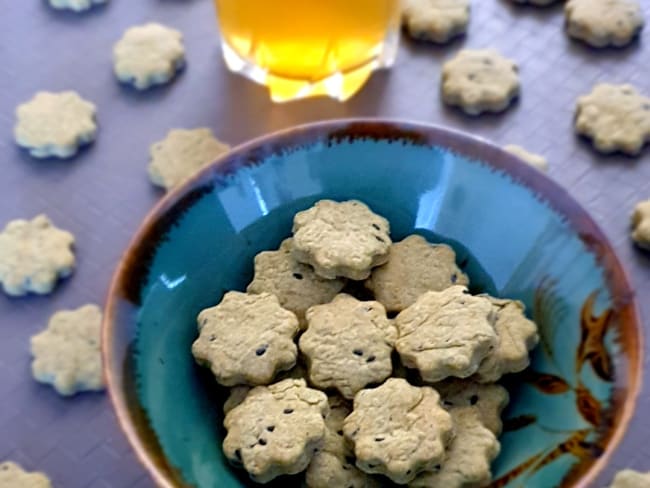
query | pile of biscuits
(362,361)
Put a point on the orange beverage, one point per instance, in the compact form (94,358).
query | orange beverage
(301,48)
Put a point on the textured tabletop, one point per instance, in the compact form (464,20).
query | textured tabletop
(103,193)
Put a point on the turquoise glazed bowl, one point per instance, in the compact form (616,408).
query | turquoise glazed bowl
(516,233)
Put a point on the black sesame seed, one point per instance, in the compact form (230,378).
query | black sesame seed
(358,352)
(473,400)
(370,359)
(447,403)
(287,411)
(271,428)
(376,227)
(380,239)
(408,472)
(261,350)
(212,338)
(349,460)
(262,442)
(379,439)
(339,432)
(372,466)
(297,276)
(454,278)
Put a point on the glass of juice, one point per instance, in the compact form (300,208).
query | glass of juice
(302,48)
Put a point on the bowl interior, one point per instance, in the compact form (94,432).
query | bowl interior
(516,233)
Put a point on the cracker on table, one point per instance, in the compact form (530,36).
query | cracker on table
(67,353)
(480,80)
(602,23)
(435,20)
(148,55)
(537,161)
(615,118)
(55,124)
(181,154)
(628,478)
(34,254)
(641,224)
(13,476)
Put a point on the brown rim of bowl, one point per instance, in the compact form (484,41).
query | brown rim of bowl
(423,134)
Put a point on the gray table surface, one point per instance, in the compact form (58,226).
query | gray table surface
(103,193)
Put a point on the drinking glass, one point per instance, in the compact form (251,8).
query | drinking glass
(302,48)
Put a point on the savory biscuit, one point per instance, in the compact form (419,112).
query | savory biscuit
(276,429)
(615,118)
(55,124)
(181,154)
(333,465)
(414,267)
(480,80)
(489,399)
(641,224)
(296,285)
(13,476)
(34,254)
(398,430)
(535,160)
(446,333)
(148,55)
(628,478)
(469,455)
(516,337)
(348,344)
(67,353)
(246,339)
(603,23)
(341,239)
(435,20)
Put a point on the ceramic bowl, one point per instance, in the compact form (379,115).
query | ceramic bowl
(516,233)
